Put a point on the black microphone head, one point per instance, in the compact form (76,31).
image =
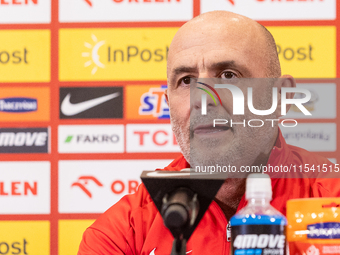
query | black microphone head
(161,184)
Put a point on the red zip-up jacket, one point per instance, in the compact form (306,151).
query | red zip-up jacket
(134,225)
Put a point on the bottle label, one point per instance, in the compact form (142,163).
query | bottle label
(258,240)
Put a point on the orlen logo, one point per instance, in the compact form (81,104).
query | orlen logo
(89,2)
(83,181)
(117,186)
(19,188)
(18,105)
(18,2)
(233,1)
(153,103)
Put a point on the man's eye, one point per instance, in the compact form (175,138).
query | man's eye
(228,75)
(185,80)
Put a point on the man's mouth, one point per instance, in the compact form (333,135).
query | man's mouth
(210,129)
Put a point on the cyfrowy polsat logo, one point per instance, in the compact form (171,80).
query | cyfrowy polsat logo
(238,101)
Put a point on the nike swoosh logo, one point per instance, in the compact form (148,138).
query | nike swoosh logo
(69,109)
(153,252)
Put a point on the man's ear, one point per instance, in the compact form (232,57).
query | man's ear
(166,96)
(285,81)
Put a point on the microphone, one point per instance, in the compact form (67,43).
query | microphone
(182,198)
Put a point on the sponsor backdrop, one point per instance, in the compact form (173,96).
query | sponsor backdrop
(82,110)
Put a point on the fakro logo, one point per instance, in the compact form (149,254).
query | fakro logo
(93,138)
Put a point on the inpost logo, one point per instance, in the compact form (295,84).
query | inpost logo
(25,237)
(25,55)
(93,54)
(306,52)
(111,54)
(275,9)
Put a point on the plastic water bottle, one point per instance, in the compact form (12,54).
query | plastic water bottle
(258,228)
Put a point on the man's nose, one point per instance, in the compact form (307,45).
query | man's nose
(202,98)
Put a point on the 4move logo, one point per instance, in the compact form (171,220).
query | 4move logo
(24,140)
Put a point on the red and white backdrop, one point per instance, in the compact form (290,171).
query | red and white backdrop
(82,111)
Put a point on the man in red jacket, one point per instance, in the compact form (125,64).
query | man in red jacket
(214,45)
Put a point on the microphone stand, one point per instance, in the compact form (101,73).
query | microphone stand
(182,198)
(179,212)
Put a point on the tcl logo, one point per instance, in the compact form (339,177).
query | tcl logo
(18,2)
(150,138)
(159,137)
(18,188)
(117,187)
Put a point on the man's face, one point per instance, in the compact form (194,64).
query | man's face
(203,51)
